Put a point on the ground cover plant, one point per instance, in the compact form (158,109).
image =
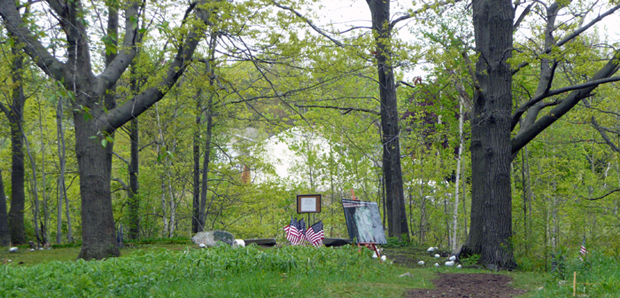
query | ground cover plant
(598,275)
(218,272)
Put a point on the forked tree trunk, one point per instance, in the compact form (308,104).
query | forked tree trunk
(491,212)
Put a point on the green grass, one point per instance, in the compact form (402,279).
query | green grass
(170,269)
(218,272)
(597,276)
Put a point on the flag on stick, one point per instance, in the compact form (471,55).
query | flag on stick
(315,234)
(583,251)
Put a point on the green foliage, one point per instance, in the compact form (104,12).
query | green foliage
(221,271)
(470,260)
(597,276)
(395,242)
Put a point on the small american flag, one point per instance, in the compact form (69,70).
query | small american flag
(315,234)
(293,232)
(583,251)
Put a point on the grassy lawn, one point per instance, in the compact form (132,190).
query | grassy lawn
(182,270)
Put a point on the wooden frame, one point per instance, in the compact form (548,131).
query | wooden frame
(309,203)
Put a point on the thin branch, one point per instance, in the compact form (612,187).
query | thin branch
(601,197)
(584,28)
(521,17)
(124,186)
(604,135)
(572,35)
(421,10)
(348,110)
(317,29)
(120,157)
(354,28)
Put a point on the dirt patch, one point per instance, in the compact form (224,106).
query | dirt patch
(462,285)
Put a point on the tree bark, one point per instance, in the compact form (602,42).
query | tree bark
(455,216)
(196,227)
(5,232)
(397,216)
(202,216)
(491,212)
(16,120)
(62,191)
(134,186)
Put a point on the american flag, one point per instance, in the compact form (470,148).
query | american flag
(583,250)
(315,234)
(293,232)
(301,225)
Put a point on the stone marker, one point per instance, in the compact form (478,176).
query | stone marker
(211,238)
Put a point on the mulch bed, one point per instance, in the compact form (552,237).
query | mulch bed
(466,285)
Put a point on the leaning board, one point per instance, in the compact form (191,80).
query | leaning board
(363,221)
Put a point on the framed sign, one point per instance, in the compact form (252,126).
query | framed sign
(363,221)
(308,203)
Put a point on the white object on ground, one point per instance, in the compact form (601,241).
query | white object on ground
(450,263)
(437,265)
(421,263)
(238,243)
(452,258)
(202,245)
(431,249)
(459,266)
(437,255)
(13,249)
(383,258)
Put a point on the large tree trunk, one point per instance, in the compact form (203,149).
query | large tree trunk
(95,165)
(5,233)
(491,212)
(16,118)
(392,173)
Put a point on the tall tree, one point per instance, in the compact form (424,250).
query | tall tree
(491,213)
(15,114)
(96,118)
(390,130)
(492,148)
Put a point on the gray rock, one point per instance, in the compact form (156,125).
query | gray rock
(211,238)
(492,267)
